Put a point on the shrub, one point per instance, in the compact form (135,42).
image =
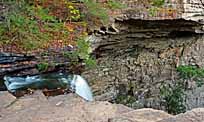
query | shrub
(127,100)
(115,4)
(43,66)
(157,3)
(83,52)
(193,73)
(173,97)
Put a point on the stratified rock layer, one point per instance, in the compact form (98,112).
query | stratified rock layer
(140,51)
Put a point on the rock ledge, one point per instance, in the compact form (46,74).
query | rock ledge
(71,108)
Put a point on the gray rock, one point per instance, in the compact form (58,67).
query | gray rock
(146,49)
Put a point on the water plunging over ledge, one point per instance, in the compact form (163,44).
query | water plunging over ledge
(73,83)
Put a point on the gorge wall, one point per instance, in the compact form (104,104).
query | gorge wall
(139,51)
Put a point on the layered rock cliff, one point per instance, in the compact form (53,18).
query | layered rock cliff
(140,50)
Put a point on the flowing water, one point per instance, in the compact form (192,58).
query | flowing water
(74,83)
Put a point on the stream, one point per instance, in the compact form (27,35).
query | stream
(73,83)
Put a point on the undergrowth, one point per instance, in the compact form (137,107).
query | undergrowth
(155,6)
(43,66)
(83,52)
(192,73)
(127,100)
(30,25)
(173,96)
(115,4)
(157,3)
(95,11)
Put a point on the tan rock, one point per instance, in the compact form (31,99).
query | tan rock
(195,115)
(142,115)
(71,108)
(6,99)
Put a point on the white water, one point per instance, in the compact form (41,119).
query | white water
(77,84)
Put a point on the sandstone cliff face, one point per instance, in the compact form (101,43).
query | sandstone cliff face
(140,51)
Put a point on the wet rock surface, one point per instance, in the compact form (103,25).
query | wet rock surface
(12,63)
(23,64)
(71,108)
